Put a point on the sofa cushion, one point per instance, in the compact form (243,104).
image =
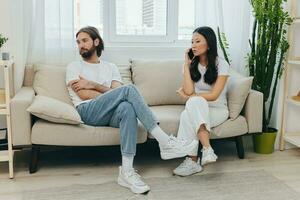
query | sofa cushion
(50,81)
(48,133)
(158,80)
(125,72)
(169,117)
(238,90)
(54,110)
(230,128)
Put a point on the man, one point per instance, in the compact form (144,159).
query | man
(95,87)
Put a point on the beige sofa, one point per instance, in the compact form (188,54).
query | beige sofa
(156,80)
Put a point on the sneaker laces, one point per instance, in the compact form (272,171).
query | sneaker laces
(207,150)
(208,153)
(185,163)
(132,174)
(173,141)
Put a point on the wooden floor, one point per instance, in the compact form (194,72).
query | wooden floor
(67,166)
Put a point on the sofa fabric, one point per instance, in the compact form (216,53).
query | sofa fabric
(253,111)
(158,80)
(47,133)
(50,81)
(230,128)
(54,110)
(125,72)
(169,116)
(21,120)
(238,90)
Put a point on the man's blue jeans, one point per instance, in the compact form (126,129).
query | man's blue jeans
(119,108)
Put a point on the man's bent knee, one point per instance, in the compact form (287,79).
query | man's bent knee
(126,108)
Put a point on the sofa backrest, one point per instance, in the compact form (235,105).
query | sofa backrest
(49,80)
(125,72)
(158,80)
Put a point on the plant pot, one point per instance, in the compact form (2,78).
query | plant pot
(264,143)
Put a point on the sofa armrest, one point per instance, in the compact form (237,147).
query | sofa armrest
(253,111)
(20,118)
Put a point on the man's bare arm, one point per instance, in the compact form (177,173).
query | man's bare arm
(98,87)
(87,94)
(84,94)
(115,84)
(82,83)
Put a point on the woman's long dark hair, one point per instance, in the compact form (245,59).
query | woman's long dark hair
(211,73)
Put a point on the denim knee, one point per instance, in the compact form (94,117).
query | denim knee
(126,109)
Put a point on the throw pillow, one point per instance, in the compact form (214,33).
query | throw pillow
(238,90)
(54,110)
(158,80)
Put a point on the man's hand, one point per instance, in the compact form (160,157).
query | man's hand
(181,93)
(80,84)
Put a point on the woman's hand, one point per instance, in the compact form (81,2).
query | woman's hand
(181,93)
(187,60)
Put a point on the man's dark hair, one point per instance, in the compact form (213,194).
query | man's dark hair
(94,34)
(211,73)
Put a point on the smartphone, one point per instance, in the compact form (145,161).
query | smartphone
(191,54)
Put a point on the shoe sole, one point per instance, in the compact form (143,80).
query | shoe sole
(208,162)
(168,156)
(133,189)
(181,175)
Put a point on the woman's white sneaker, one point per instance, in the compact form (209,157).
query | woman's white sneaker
(131,179)
(177,148)
(188,167)
(208,156)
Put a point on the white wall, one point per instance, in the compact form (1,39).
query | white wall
(4,30)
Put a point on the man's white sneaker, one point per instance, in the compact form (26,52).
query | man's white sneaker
(208,156)
(176,148)
(131,179)
(188,167)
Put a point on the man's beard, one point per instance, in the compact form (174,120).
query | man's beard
(88,54)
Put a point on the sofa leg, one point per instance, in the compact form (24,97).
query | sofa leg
(34,159)
(240,146)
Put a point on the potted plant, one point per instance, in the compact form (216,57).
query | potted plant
(224,45)
(2,41)
(269,46)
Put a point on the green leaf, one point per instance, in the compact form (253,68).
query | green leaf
(269,47)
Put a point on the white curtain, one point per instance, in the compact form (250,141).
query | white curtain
(19,19)
(52,32)
(233,17)
(40,31)
(43,30)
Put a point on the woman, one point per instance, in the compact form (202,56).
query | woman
(204,87)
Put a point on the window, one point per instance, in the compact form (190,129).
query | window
(141,17)
(88,13)
(186,19)
(138,21)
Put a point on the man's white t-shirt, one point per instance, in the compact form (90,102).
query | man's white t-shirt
(103,73)
(202,87)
